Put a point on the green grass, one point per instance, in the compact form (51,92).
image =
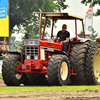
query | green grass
(0,75)
(55,88)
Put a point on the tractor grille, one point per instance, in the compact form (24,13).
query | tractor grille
(32,53)
(31,42)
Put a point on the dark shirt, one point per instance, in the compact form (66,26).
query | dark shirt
(1,57)
(4,52)
(63,36)
(1,52)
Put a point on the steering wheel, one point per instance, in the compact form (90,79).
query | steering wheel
(57,40)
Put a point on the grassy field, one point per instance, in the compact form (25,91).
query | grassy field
(0,75)
(54,88)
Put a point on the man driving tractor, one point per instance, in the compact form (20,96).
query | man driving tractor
(64,36)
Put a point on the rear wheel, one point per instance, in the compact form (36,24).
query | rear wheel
(58,71)
(78,58)
(8,71)
(93,64)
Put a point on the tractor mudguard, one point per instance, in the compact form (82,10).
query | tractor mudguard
(84,40)
(63,53)
(16,53)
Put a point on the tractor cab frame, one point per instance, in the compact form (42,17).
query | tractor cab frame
(59,16)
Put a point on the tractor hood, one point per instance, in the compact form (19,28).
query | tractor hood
(44,43)
(51,44)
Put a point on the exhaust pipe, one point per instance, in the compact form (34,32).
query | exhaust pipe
(40,24)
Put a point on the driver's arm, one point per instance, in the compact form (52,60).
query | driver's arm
(67,40)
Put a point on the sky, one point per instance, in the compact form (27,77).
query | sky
(76,8)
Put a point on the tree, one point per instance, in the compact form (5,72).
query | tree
(24,14)
(95,2)
(21,11)
(92,36)
(12,43)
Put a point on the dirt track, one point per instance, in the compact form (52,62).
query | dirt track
(2,83)
(58,95)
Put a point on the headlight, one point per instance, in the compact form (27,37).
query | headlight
(28,57)
(36,57)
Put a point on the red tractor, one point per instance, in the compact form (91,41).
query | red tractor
(42,61)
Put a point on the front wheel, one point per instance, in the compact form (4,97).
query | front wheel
(8,71)
(58,71)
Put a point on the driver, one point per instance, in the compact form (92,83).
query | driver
(64,36)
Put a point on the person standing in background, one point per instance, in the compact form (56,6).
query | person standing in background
(16,49)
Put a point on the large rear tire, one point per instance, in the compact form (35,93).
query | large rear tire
(8,71)
(37,79)
(58,71)
(78,58)
(93,64)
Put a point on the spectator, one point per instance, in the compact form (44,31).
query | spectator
(2,54)
(4,51)
(16,49)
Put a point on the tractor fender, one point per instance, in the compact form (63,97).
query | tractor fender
(83,40)
(61,52)
(16,53)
